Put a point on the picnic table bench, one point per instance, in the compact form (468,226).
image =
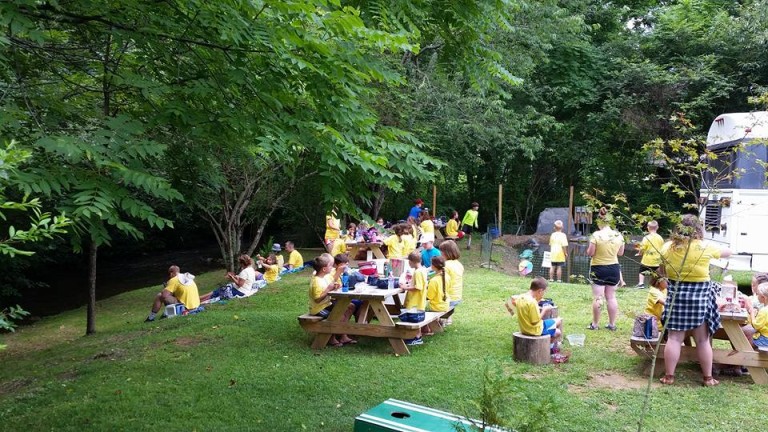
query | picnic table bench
(380,324)
(742,354)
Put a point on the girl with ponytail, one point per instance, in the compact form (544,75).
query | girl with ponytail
(436,290)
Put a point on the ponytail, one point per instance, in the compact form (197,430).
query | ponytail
(438,262)
(442,273)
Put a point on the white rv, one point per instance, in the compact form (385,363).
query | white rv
(735,197)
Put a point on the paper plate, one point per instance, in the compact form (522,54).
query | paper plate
(525,267)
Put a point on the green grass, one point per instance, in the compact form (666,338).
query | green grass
(247,365)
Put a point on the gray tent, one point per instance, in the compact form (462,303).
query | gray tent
(548,217)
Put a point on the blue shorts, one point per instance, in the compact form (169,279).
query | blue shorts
(325,312)
(454,303)
(558,264)
(762,341)
(550,326)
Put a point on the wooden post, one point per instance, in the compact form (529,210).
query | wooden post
(570,213)
(434,200)
(567,233)
(500,195)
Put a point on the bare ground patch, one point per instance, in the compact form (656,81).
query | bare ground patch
(611,381)
(15,385)
(189,341)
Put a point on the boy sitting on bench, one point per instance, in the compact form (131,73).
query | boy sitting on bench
(529,316)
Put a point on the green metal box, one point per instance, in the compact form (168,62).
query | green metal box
(396,415)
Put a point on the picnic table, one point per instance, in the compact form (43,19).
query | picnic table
(373,250)
(378,324)
(742,353)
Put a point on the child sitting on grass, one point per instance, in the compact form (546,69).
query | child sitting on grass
(657,298)
(416,291)
(757,330)
(271,269)
(320,303)
(529,316)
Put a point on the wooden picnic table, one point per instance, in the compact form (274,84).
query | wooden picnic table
(373,300)
(742,353)
(373,250)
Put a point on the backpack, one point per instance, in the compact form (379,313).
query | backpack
(646,327)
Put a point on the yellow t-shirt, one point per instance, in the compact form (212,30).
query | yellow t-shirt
(409,244)
(652,305)
(295,260)
(186,294)
(395,246)
(435,294)
(651,249)
(339,247)
(455,271)
(607,245)
(427,226)
(528,316)
(316,288)
(760,323)
(271,272)
(470,218)
(696,265)
(558,241)
(331,234)
(417,298)
(452,228)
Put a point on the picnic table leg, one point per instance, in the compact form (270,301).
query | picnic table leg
(362,316)
(377,252)
(337,314)
(385,320)
(740,343)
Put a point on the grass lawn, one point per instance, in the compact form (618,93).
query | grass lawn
(247,365)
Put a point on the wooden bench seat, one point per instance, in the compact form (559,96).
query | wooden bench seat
(429,317)
(762,349)
(307,319)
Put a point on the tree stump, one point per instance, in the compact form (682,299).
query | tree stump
(531,349)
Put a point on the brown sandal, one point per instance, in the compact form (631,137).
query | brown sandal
(708,381)
(668,379)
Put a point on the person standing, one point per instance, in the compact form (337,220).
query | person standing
(470,222)
(332,229)
(416,209)
(691,301)
(649,248)
(605,247)
(558,244)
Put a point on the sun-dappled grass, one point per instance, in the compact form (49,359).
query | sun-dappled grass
(247,365)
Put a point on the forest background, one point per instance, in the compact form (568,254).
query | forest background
(157,126)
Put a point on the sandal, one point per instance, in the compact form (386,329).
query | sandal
(708,381)
(668,379)
(336,344)
(611,327)
(349,342)
(592,327)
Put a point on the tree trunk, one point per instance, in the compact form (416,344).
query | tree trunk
(90,327)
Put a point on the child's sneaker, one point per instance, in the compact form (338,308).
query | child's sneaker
(414,341)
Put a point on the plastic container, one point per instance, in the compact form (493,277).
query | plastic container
(576,339)
(391,281)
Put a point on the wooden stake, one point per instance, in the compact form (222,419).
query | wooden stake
(434,200)
(570,212)
(500,194)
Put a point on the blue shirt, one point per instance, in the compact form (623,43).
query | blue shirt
(415,212)
(426,256)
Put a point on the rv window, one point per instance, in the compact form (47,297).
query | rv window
(712,215)
(723,166)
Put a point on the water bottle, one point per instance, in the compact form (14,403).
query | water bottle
(387,270)
(391,281)
(344,283)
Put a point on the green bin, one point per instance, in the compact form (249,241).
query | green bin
(396,415)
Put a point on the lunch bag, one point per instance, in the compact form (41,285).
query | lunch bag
(646,327)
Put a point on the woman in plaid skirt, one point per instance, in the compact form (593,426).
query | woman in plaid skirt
(691,300)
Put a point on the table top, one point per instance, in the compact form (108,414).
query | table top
(367,292)
(737,316)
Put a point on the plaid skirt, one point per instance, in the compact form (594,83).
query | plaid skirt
(691,303)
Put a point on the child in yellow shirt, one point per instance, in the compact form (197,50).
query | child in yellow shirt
(657,298)
(320,303)
(529,316)
(757,330)
(558,243)
(416,291)
(395,243)
(271,269)
(452,227)
(436,293)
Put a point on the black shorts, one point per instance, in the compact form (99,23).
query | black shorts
(467,229)
(608,275)
(558,264)
(648,269)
